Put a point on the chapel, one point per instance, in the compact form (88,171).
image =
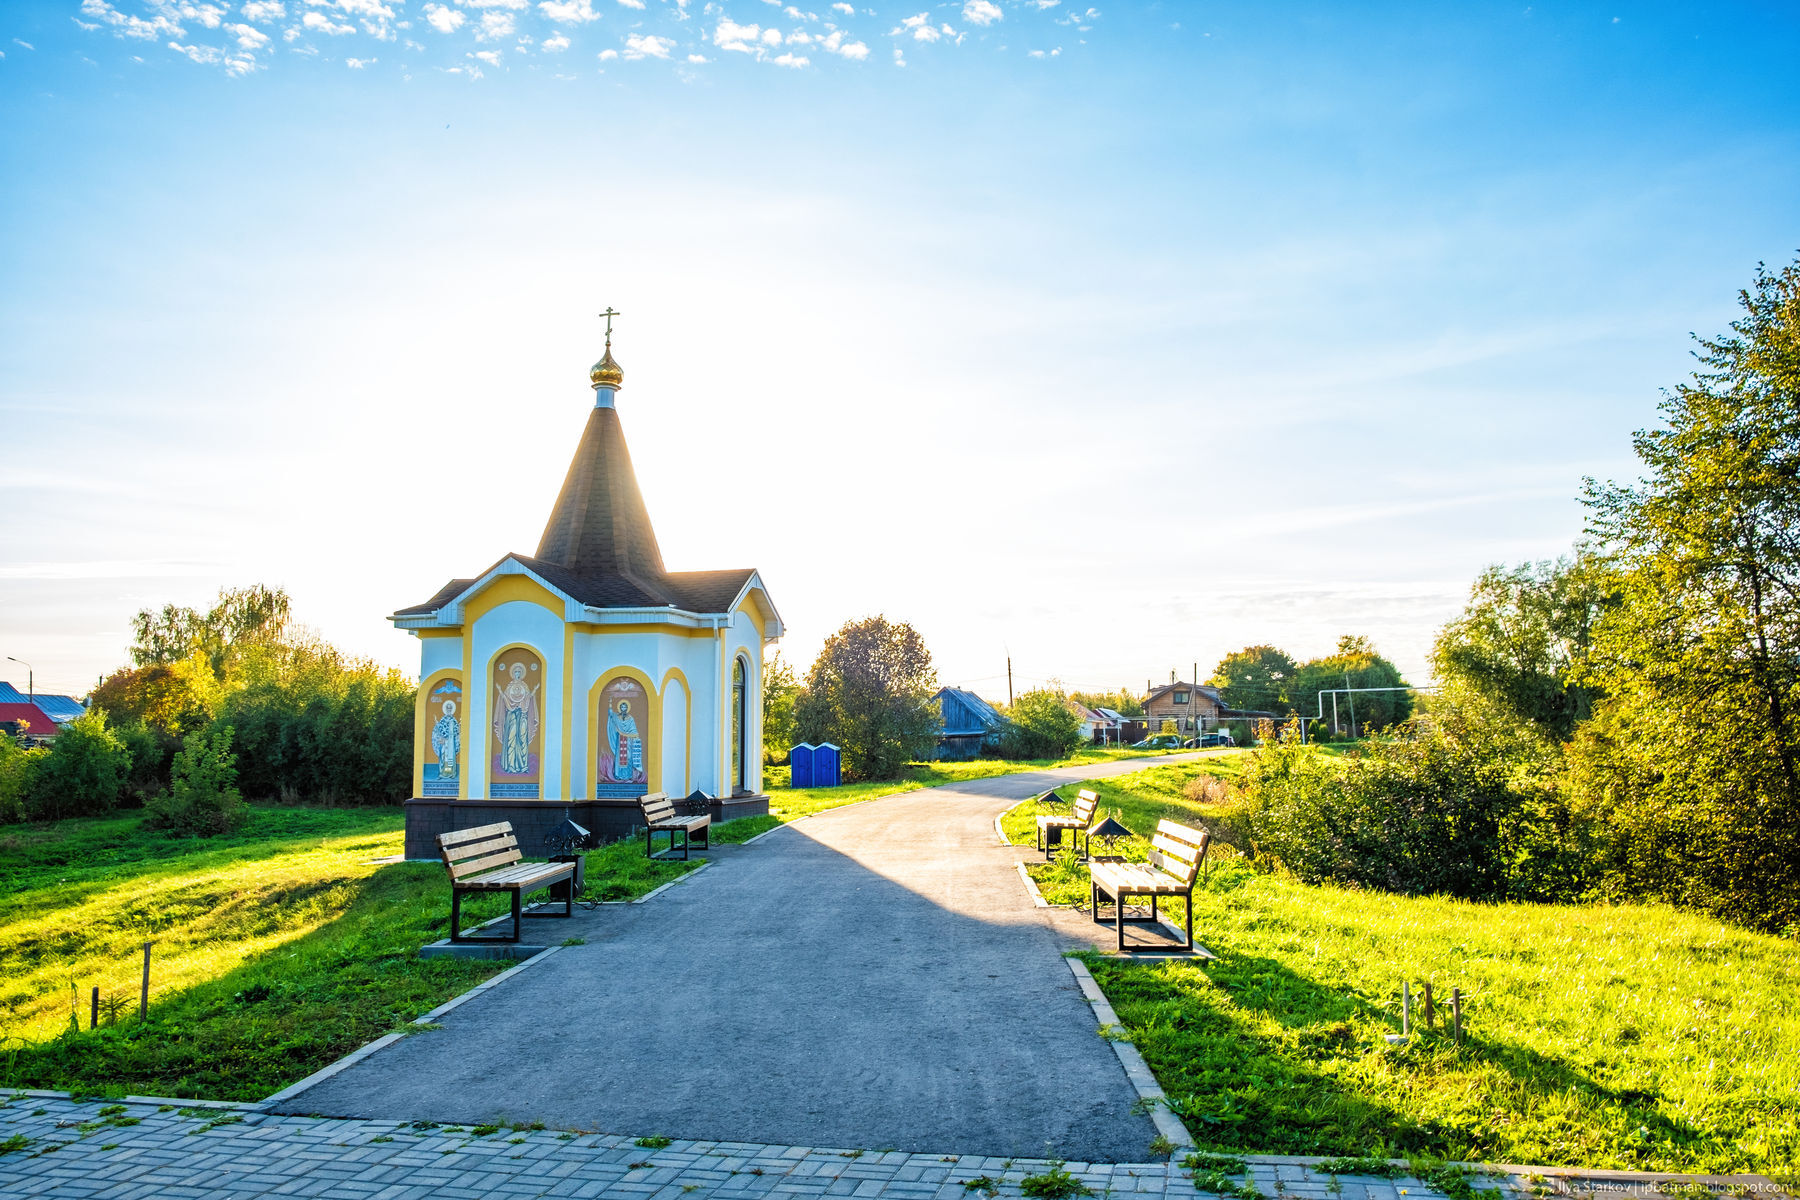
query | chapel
(582,676)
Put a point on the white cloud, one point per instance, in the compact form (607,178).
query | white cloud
(569,12)
(490,57)
(159,25)
(514,5)
(899,57)
(320,23)
(981,12)
(648,46)
(27,45)
(357,64)
(771,37)
(443,19)
(834,42)
(248,36)
(608,55)
(849,10)
(1043,4)
(791,60)
(729,35)
(1040,53)
(495,25)
(632,3)
(556,44)
(209,15)
(698,58)
(234,64)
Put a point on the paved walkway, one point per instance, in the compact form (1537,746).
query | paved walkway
(71,1151)
(874,976)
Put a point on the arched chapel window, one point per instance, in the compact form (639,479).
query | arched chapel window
(740,725)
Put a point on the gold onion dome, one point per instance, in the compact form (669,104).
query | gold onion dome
(606,372)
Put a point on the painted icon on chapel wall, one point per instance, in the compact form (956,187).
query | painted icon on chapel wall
(443,743)
(624,720)
(516,742)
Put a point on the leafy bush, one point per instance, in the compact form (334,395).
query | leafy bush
(83,773)
(1441,808)
(203,796)
(1039,724)
(17,765)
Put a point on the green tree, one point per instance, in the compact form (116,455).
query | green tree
(870,693)
(242,617)
(1256,678)
(172,698)
(17,766)
(1124,701)
(1695,754)
(1039,724)
(203,796)
(781,688)
(1519,643)
(1355,665)
(83,773)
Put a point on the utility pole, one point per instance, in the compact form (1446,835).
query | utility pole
(1352,698)
(1009,699)
(30,678)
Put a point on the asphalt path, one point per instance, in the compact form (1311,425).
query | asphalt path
(871,977)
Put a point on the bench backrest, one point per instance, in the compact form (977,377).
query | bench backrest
(1178,850)
(657,807)
(467,851)
(1086,800)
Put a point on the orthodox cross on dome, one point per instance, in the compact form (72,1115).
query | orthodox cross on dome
(606,374)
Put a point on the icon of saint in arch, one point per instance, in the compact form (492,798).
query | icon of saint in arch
(625,763)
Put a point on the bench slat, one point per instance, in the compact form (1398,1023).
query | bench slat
(470,850)
(1184,833)
(509,878)
(1181,850)
(458,836)
(476,866)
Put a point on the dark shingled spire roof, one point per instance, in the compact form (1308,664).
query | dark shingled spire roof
(599,546)
(600,526)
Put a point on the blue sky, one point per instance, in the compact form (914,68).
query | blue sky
(1113,337)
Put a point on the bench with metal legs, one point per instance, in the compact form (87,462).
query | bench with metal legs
(1176,852)
(487,859)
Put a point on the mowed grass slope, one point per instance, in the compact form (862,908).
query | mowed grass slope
(1618,1036)
(277,949)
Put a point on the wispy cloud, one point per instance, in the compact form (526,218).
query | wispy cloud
(981,12)
(648,46)
(569,12)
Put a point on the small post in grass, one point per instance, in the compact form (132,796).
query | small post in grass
(1429,1016)
(1456,1011)
(144,992)
(94,1009)
(1405,1008)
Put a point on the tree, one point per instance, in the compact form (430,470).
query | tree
(172,698)
(870,693)
(203,796)
(781,688)
(1039,724)
(17,767)
(1695,753)
(82,774)
(242,617)
(1355,665)
(1124,701)
(1256,678)
(1518,645)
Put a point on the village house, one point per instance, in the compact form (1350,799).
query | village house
(1194,708)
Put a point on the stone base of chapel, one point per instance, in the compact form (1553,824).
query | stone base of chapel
(607,820)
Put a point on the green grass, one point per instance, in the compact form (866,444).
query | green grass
(1626,1036)
(787,803)
(277,949)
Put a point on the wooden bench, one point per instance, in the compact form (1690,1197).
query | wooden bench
(487,859)
(660,817)
(1077,821)
(1176,853)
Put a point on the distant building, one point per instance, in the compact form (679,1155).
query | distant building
(26,721)
(968,720)
(1193,707)
(1095,725)
(53,709)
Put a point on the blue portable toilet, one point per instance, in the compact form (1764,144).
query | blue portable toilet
(800,765)
(825,765)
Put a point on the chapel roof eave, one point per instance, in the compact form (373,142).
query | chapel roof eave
(697,599)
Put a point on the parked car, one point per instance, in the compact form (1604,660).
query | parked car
(1210,739)
(1159,741)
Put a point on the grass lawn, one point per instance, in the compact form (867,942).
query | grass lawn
(1621,1036)
(277,949)
(787,803)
